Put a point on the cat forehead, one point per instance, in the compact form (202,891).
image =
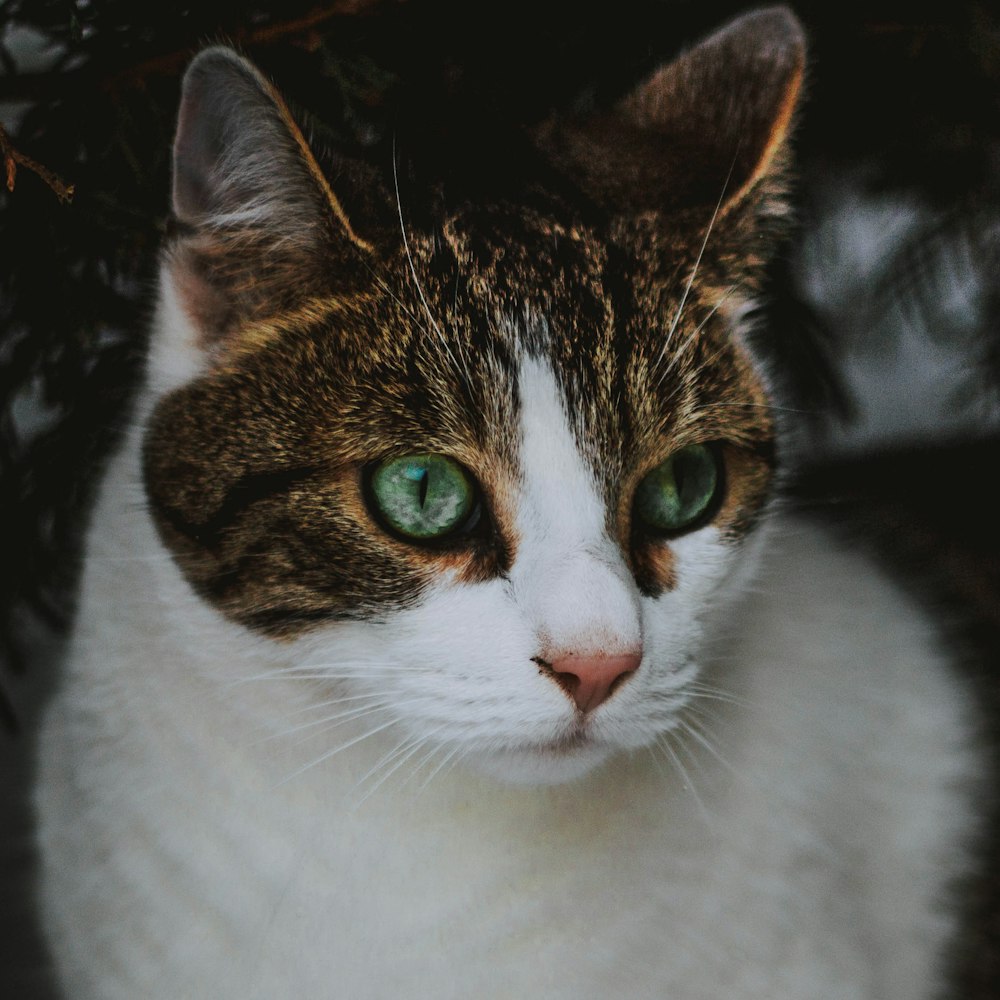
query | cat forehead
(489,288)
(447,373)
(569,271)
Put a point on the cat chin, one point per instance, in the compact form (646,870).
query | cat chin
(539,765)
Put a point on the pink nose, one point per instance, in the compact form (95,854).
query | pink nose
(591,680)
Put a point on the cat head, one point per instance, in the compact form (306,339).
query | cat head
(485,443)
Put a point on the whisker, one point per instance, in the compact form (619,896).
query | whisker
(330,723)
(372,702)
(339,717)
(695,761)
(414,745)
(707,363)
(339,749)
(317,672)
(688,785)
(387,288)
(709,692)
(435,749)
(408,742)
(692,337)
(460,369)
(701,738)
(697,264)
(329,703)
(451,757)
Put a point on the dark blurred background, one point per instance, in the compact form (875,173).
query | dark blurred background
(886,304)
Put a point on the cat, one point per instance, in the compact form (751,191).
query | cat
(442,633)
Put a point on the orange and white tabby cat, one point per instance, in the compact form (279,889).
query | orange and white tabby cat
(440,635)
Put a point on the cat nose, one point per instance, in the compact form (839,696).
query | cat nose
(591,679)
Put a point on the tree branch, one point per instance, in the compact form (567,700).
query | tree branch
(13,157)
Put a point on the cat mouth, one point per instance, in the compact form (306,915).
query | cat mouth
(576,739)
(566,756)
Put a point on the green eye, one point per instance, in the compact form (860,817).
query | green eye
(675,495)
(422,496)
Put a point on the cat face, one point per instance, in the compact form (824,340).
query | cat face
(485,457)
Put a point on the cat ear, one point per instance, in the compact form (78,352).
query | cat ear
(259,226)
(705,129)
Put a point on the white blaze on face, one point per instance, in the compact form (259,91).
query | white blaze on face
(569,577)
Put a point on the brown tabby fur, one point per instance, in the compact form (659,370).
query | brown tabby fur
(367,316)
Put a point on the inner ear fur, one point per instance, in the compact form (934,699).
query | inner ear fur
(704,130)
(259,225)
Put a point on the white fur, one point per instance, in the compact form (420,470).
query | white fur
(570,579)
(205,835)
(175,357)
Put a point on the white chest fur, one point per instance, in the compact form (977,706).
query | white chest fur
(186,853)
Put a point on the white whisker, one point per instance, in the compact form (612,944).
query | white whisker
(693,336)
(664,744)
(318,672)
(694,270)
(339,749)
(460,369)
(708,692)
(403,753)
(701,737)
(329,724)
(451,757)
(330,702)
(409,742)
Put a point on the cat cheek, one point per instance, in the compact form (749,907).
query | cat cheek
(461,631)
(472,667)
(703,564)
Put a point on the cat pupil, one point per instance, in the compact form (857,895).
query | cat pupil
(680,482)
(419,475)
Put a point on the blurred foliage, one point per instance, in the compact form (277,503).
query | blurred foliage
(912,87)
